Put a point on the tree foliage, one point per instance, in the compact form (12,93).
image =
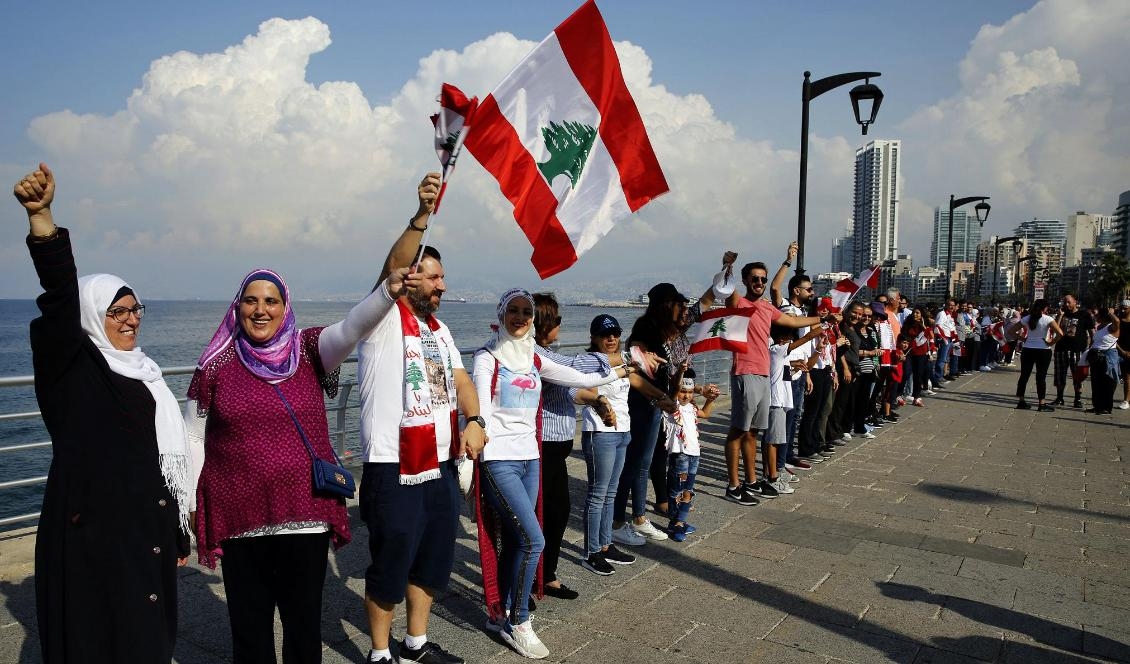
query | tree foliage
(1112,278)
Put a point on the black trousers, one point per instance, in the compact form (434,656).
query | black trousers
(658,469)
(287,571)
(843,408)
(1038,358)
(1102,391)
(808,440)
(555,501)
(864,403)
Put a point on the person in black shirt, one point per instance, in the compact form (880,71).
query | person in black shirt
(1078,326)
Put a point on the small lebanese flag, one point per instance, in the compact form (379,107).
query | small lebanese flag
(563,137)
(845,290)
(721,329)
(455,111)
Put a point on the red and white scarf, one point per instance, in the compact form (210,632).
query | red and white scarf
(419,458)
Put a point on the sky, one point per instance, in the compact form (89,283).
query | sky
(193,142)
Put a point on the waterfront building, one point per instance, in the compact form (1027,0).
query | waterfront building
(875,217)
(966,237)
(1120,228)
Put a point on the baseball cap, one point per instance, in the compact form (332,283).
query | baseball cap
(603,325)
(665,292)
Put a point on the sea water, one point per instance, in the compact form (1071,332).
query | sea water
(174,333)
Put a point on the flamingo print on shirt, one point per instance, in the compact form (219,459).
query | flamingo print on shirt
(518,390)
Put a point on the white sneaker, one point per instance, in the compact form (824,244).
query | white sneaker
(782,486)
(792,477)
(1125,405)
(929,393)
(647,530)
(985,367)
(868,435)
(627,536)
(523,639)
(846,436)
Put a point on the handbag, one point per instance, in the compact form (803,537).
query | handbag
(328,478)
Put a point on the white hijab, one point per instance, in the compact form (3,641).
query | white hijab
(514,353)
(96,294)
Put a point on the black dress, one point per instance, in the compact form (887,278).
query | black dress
(109,535)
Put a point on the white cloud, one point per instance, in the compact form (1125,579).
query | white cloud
(1041,121)
(235,158)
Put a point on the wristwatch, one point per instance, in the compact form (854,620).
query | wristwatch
(478,419)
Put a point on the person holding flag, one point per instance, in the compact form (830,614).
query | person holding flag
(749,382)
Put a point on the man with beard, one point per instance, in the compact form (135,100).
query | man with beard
(749,383)
(411,379)
(1078,326)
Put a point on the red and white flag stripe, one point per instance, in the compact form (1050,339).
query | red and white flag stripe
(843,292)
(721,329)
(452,124)
(567,103)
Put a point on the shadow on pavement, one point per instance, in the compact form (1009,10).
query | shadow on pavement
(971,495)
(1039,629)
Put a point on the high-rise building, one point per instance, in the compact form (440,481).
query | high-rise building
(1121,225)
(1086,231)
(843,253)
(875,218)
(966,236)
(1044,232)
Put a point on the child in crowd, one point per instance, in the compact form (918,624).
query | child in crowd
(681,431)
(774,442)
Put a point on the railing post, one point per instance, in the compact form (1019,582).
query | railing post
(342,405)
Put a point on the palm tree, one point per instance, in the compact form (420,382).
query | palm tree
(1111,279)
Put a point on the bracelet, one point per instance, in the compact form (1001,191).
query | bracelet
(46,238)
(787,264)
(412,223)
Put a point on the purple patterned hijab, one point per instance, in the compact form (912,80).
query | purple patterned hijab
(273,361)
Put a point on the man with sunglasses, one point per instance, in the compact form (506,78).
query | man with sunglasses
(749,381)
(801,360)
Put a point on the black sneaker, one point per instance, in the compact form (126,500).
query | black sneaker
(431,653)
(1023,405)
(598,565)
(750,494)
(765,489)
(812,458)
(1044,408)
(739,496)
(1077,404)
(618,557)
(1058,401)
(828,450)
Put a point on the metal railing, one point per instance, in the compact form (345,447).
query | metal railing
(711,367)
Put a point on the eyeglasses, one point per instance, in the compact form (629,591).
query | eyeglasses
(808,290)
(121,314)
(758,280)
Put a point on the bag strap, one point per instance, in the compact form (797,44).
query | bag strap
(305,441)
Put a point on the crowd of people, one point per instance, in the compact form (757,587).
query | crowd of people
(134,476)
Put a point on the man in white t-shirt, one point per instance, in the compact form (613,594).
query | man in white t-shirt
(412,379)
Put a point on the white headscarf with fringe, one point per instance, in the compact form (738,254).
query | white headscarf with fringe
(96,295)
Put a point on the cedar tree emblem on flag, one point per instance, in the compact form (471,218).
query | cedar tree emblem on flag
(565,110)
(721,329)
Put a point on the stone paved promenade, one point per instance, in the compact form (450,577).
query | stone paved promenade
(968,532)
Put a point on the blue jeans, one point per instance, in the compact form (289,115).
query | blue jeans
(681,471)
(637,461)
(604,456)
(792,419)
(511,488)
(940,363)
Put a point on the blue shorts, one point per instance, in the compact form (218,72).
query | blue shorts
(412,529)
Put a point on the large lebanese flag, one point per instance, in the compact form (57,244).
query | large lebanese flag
(845,290)
(721,329)
(564,139)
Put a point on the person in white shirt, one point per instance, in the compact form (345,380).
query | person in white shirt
(412,382)
(945,334)
(681,435)
(774,442)
(508,376)
(1042,333)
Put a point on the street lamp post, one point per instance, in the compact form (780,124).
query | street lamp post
(996,260)
(982,209)
(866,92)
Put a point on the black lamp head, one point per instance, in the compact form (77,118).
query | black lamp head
(982,209)
(866,92)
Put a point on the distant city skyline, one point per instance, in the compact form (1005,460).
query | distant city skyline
(195,142)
